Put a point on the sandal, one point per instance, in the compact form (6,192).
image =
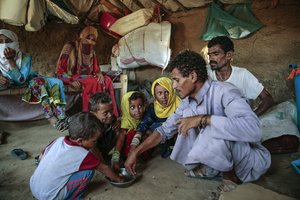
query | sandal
(198,172)
(19,153)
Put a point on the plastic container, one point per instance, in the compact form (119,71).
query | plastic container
(296,69)
(296,165)
(106,21)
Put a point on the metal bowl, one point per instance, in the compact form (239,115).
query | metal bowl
(128,179)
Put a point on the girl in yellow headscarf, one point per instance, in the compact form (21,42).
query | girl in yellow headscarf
(165,104)
(132,107)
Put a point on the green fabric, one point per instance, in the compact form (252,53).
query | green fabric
(236,21)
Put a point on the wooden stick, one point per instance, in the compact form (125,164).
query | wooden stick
(181,6)
(112,7)
(162,6)
(125,8)
(137,2)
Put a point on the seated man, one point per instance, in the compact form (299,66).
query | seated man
(219,134)
(220,52)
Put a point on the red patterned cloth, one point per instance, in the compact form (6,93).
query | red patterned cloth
(91,85)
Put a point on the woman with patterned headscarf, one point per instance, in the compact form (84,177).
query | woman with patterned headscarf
(78,66)
(15,68)
(164,105)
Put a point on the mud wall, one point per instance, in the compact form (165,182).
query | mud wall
(266,52)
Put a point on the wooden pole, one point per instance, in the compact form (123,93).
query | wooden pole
(137,2)
(125,8)
(181,5)
(162,6)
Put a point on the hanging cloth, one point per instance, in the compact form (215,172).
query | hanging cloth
(236,21)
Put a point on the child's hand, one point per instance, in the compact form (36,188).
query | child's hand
(117,124)
(116,167)
(108,172)
(121,179)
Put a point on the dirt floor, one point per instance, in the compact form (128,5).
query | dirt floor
(160,178)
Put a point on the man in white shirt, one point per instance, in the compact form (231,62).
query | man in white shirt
(220,52)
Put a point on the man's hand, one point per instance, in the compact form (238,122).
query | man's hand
(131,163)
(132,148)
(76,85)
(184,124)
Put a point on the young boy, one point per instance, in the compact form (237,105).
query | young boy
(101,106)
(67,166)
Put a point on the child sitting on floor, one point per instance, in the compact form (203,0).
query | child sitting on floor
(165,104)
(132,107)
(67,165)
(101,106)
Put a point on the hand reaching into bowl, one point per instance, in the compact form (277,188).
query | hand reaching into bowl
(108,172)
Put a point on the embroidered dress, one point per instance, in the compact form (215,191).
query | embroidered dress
(78,62)
(50,93)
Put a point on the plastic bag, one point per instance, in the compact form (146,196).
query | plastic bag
(147,45)
(237,21)
(281,120)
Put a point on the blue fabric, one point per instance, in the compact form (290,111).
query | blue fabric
(77,184)
(150,120)
(24,74)
(56,81)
